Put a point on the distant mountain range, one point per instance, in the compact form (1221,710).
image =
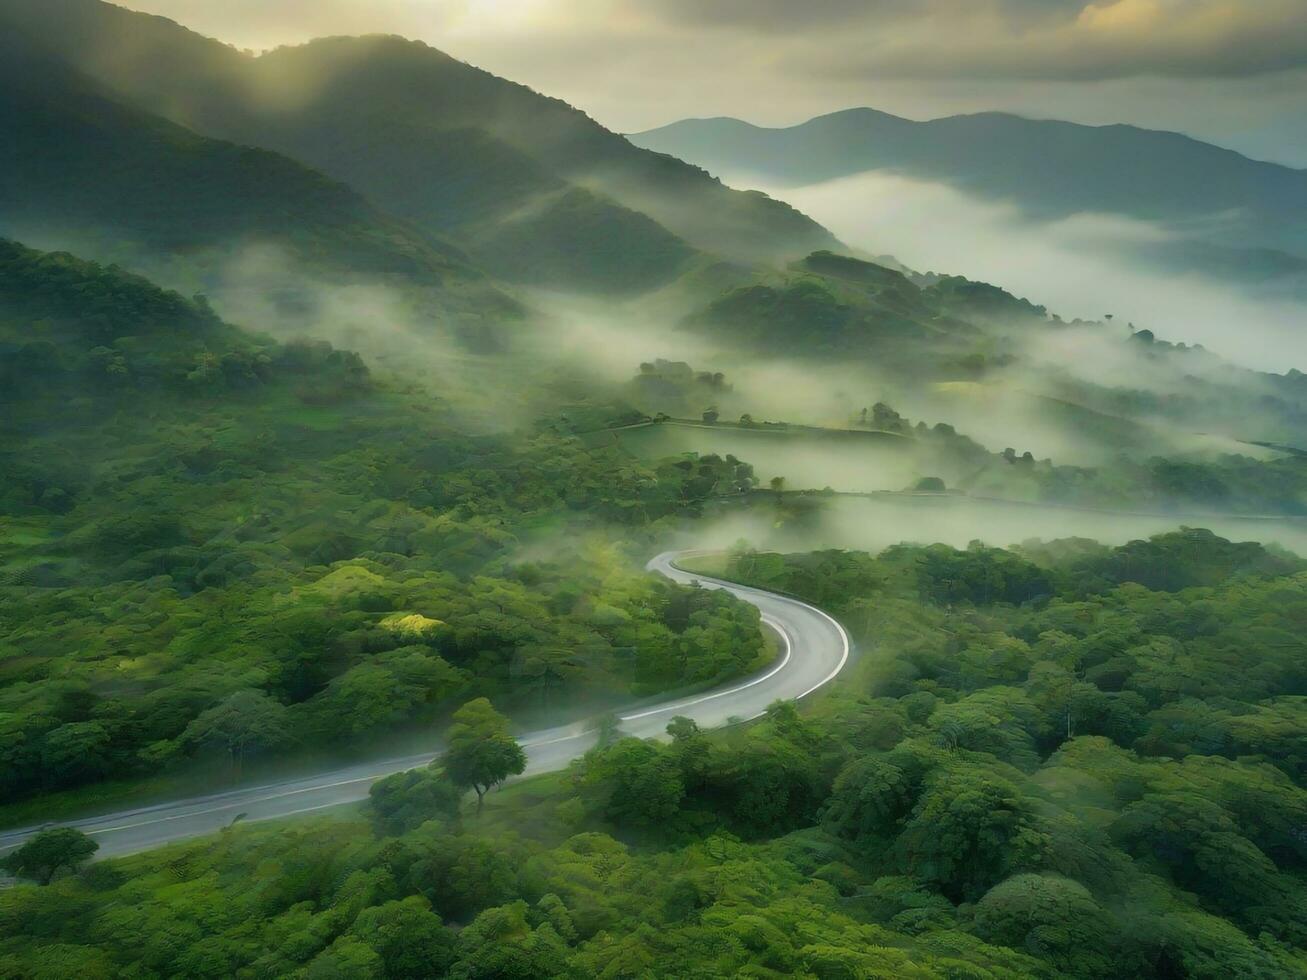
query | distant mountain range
(1234,216)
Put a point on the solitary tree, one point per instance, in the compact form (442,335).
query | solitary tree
(49,852)
(711,416)
(777,483)
(482,754)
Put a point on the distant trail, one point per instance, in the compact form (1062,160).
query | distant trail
(815,649)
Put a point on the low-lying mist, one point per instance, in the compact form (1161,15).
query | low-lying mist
(874,524)
(1085,266)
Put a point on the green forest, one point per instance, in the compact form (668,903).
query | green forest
(322,551)
(441,537)
(1063,760)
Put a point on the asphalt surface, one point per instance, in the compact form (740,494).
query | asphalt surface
(813,650)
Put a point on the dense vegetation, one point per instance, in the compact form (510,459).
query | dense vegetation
(224,552)
(204,528)
(1059,761)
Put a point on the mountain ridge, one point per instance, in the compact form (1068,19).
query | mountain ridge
(872,112)
(319,102)
(1051,168)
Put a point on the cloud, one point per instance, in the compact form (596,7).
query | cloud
(1082,266)
(1111,39)
(1014,39)
(768,16)
(1221,70)
(1078,39)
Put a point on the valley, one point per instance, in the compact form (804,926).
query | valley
(347,388)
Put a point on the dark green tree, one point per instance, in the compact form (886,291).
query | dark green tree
(482,753)
(47,853)
(245,721)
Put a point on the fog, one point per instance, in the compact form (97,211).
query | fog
(1084,266)
(875,524)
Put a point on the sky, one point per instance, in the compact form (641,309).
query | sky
(1230,71)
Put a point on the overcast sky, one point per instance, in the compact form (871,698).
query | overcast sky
(1231,71)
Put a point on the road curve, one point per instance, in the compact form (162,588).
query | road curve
(814,649)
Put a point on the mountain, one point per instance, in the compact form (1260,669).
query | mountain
(995,364)
(528,184)
(1050,169)
(81,169)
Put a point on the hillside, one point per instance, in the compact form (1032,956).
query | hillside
(828,304)
(80,165)
(247,226)
(195,518)
(379,111)
(1064,760)
(969,353)
(1050,169)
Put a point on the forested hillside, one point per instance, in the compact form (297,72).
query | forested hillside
(198,521)
(371,110)
(1059,761)
(360,408)
(81,166)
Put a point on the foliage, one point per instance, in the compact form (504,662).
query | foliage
(1099,780)
(407,799)
(481,753)
(48,852)
(324,554)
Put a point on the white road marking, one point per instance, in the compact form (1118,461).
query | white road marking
(789,649)
(245,798)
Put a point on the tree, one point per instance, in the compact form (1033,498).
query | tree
(1054,917)
(408,799)
(639,783)
(711,416)
(777,483)
(960,832)
(870,799)
(500,943)
(885,418)
(409,937)
(47,853)
(242,722)
(482,753)
(382,691)
(76,751)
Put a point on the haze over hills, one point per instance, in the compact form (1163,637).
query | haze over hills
(82,170)
(522,180)
(1232,216)
(376,431)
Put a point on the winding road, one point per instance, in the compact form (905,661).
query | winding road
(814,649)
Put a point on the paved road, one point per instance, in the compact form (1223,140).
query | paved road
(814,648)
